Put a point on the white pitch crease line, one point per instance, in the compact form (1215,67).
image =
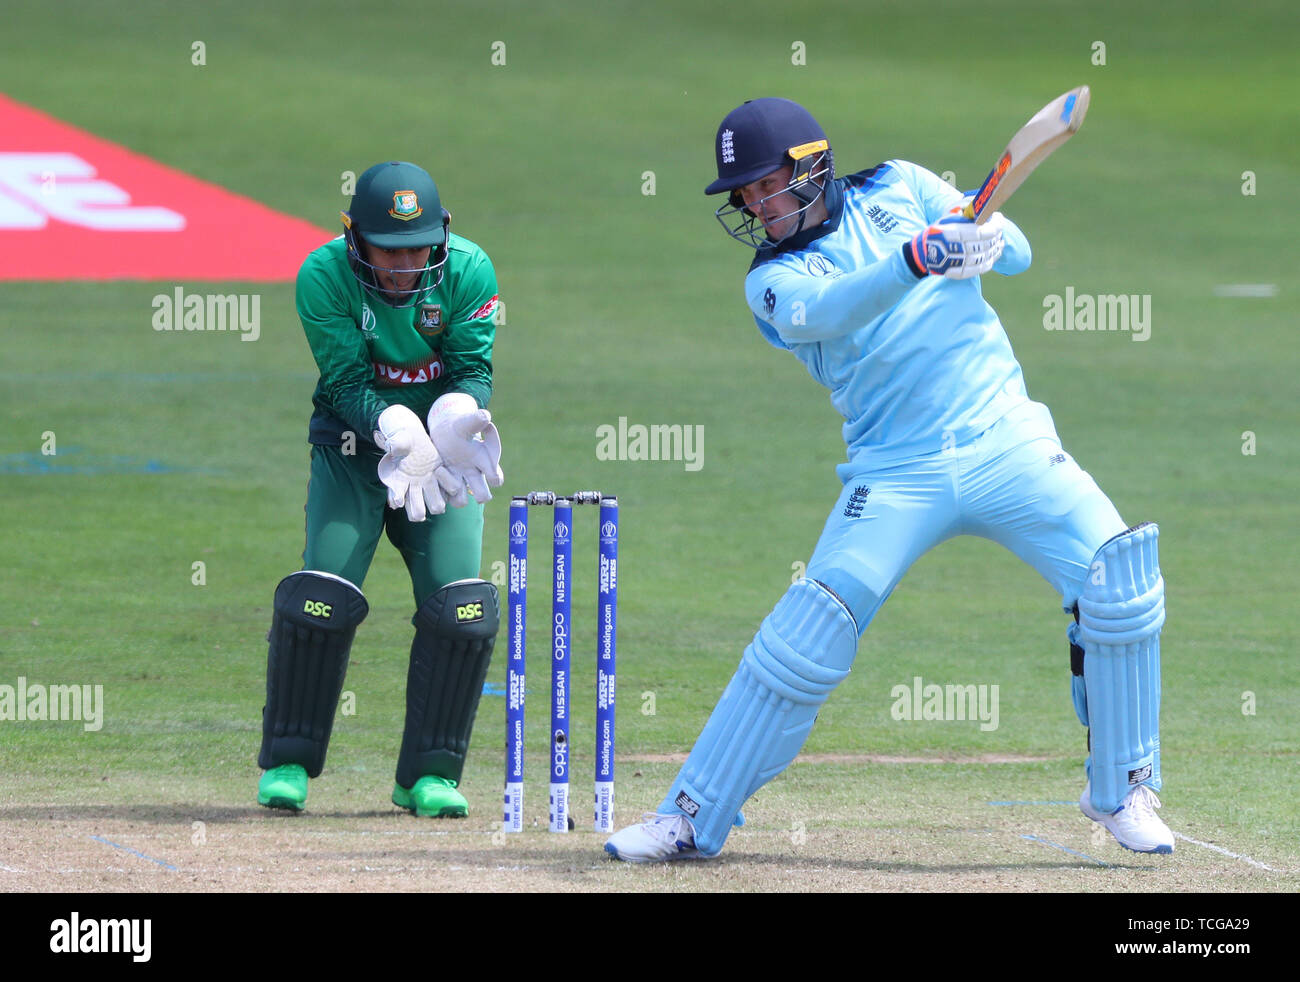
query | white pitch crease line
(216,870)
(320,833)
(1072,852)
(1246,290)
(1244,859)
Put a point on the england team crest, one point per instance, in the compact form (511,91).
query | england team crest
(405,206)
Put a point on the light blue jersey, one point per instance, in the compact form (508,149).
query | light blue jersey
(915,365)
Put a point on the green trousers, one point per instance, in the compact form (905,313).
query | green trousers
(347,508)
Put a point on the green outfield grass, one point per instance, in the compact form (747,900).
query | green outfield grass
(174,449)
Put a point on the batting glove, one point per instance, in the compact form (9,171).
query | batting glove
(956,247)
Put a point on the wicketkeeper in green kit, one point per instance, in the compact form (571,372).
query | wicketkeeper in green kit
(398,313)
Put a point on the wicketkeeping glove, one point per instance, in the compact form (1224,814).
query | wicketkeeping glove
(410,467)
(956,247)
(468,442)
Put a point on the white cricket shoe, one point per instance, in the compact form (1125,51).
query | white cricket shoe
(658,838)
(1134,824)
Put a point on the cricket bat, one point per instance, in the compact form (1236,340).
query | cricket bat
(1051,126)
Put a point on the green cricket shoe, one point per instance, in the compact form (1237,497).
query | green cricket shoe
(284,787)
(432,797)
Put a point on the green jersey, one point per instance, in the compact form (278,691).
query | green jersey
(372,356)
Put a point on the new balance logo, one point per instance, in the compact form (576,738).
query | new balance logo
(686,804)
(1140,775)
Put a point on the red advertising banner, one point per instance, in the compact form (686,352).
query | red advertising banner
(76,207)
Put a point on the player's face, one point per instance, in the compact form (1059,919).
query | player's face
(767,199)
(397,269)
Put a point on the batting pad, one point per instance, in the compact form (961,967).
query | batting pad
(1121,612)
(802,651)
(455,631)
(316,617)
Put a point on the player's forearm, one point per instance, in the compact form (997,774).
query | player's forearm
(474,381)
(354,401)
(1016,254)
(346,372)
(467,361)
(820,308)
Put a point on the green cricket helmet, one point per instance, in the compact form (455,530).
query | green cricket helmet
(396,206)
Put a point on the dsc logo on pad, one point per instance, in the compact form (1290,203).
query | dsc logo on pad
(316,608)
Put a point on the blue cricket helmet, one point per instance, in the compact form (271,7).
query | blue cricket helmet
(757,138)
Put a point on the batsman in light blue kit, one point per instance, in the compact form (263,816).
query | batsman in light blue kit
(873,282)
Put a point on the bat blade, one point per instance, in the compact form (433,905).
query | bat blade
(1051,126)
